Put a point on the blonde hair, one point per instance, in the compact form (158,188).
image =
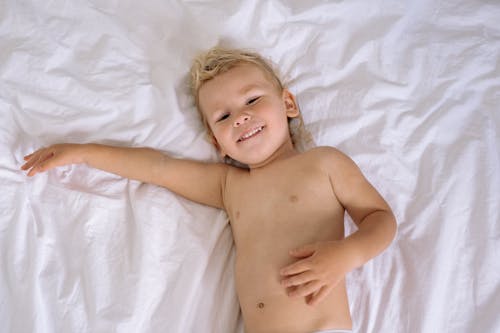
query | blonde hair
(219,60)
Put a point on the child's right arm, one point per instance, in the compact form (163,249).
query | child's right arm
(197,181)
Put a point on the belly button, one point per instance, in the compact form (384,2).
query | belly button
(260,305)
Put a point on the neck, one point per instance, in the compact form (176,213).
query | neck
(284,151)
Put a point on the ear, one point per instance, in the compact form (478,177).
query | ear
(291,107)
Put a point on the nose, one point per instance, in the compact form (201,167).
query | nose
(241,119)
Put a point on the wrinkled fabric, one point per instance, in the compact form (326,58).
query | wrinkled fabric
(408,89)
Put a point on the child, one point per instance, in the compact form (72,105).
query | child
(286,208)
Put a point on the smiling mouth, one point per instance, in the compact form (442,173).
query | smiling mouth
(251,133)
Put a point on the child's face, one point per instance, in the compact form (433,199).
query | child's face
(247,113)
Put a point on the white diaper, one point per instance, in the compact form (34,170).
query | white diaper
(333,331)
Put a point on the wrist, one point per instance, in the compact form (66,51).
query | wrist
(84,152)
(373,236)
(356,256)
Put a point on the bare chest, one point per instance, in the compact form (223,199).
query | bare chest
(288,205)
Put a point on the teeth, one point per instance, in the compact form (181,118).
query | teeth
(249,134)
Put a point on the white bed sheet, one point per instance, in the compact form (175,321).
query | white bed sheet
(409,89)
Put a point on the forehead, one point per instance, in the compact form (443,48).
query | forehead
(236,81)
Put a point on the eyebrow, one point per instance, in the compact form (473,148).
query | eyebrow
(249,87)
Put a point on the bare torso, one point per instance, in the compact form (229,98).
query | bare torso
(272,210)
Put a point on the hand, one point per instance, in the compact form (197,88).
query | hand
(51,157)
(320,268)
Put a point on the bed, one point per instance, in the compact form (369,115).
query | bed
(409,89)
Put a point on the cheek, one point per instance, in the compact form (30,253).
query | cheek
(276,108)
(221,134)
(277,114)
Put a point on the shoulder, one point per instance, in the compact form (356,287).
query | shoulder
(333,162)
(324,151)
(327,155)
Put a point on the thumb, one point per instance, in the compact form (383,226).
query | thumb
(303,251)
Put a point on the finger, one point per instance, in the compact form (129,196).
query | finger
(27,157)
(24,166)
(32,172)
(38,165)
(45,163)
(298,279)
(37,158)
(32,160)
(304,289)
(319,295)
(45,157)
(296,268)
(303,251)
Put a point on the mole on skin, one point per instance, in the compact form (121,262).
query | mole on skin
(260,305)
(294,198)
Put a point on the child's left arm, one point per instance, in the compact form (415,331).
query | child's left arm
(324,264)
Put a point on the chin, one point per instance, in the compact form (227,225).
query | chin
(253,160)
(248,161)
(255,156)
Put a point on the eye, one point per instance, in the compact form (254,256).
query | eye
(253,100)
(223,117)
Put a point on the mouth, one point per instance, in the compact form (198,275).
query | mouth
(251,133)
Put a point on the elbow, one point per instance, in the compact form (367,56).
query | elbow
(391,226)
(386,225)
(394,226)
